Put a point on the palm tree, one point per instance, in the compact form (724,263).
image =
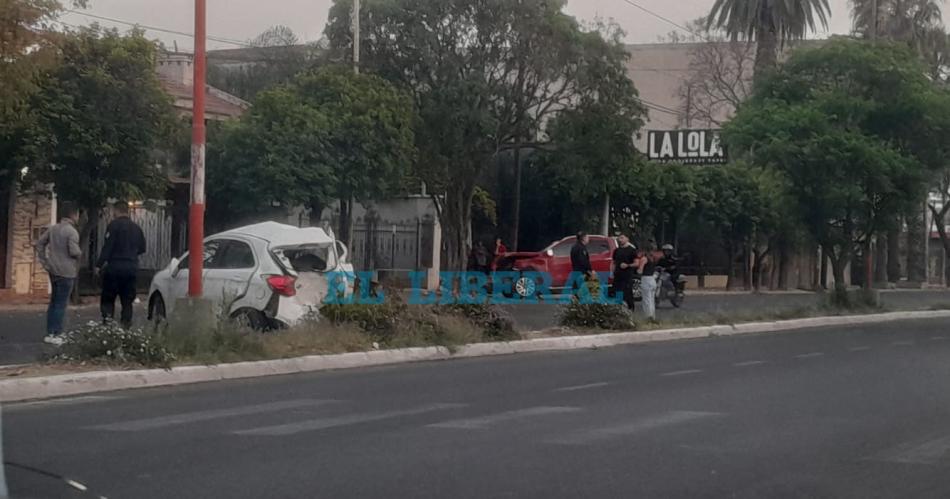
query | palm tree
(911,21)
(770,23)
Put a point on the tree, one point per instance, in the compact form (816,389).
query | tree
(482,74)
(370,142)
(99,116)
(719,79)
(26,40)
(770,23)
(848,126)
(738,202)
(903,20)
(329,134)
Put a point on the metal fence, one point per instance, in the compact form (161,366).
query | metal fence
(378,245)
(156,223)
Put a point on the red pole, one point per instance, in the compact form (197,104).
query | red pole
(196,214)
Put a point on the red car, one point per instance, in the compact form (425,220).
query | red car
(556,261)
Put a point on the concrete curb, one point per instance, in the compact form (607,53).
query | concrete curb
(12,390)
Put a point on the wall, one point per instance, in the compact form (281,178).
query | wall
(32,212)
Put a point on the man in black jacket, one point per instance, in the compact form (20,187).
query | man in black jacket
(119,264)
(580,259)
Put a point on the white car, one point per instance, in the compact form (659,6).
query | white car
(267,274)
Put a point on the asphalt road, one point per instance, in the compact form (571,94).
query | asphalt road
(859,412)
(21,330)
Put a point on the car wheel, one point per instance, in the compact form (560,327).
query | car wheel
(251,318)
(525,287)
(156,309)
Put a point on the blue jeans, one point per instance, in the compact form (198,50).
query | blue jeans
(58,298)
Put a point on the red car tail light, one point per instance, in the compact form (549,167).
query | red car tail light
(284,285)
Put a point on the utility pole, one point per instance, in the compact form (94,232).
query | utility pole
(196,214)
(874,13)
(356,36)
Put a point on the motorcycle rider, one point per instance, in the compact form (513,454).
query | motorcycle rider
(670,263)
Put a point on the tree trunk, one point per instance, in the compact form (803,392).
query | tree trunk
(838,265)
(782,264)
(823,269)
(916,259)
(516,216)
(766,51)
(747,266)
(880,261)
(456,225)
(939,217)
(605,216)
(86,228)
(730,266)
(894,254)
(346,220)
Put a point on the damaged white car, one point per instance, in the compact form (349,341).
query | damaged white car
(267,275)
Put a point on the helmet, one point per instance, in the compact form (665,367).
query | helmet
(667,247)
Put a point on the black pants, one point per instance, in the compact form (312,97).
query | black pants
(625,285)
(118,283)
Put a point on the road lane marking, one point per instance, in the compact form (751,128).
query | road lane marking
(633,428)
(324,423)
(682,373)
(811,355)
(937,338)
(902,344)
(198,416)
(486,421)
(582,387)
(859,349)
(749,363)
(64,401)
(928,452)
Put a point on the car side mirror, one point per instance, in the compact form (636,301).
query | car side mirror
(173,265)
(549,252)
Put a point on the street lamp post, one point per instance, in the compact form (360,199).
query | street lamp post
(196,214)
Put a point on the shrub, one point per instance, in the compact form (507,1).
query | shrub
(380,321)
(96,342)
(495,323)
(597,315)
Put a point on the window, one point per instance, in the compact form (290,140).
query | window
(237,255)
(311,259)
(598,246)
(563,249)
(211,250)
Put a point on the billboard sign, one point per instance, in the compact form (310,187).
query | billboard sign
(692,147)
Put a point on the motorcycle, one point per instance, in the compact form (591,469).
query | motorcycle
(666,289)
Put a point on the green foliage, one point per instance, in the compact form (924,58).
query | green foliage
(109,343)
(327,134)
(598,315)
(97,119)
(381,321)
(850,126)
(482,74)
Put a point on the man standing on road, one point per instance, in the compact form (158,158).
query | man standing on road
(119,264)
(624,258)
(580,259)
(58,251)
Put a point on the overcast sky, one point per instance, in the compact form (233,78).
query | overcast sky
(243,19)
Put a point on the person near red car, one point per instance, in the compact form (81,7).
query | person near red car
(625,268)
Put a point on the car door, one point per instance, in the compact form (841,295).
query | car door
(232,274)
(179,286)
(559,264)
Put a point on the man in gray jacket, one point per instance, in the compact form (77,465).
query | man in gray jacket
(58,251)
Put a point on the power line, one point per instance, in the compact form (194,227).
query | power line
(159,29)
(665,19)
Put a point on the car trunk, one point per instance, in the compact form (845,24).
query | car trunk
(309,264)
